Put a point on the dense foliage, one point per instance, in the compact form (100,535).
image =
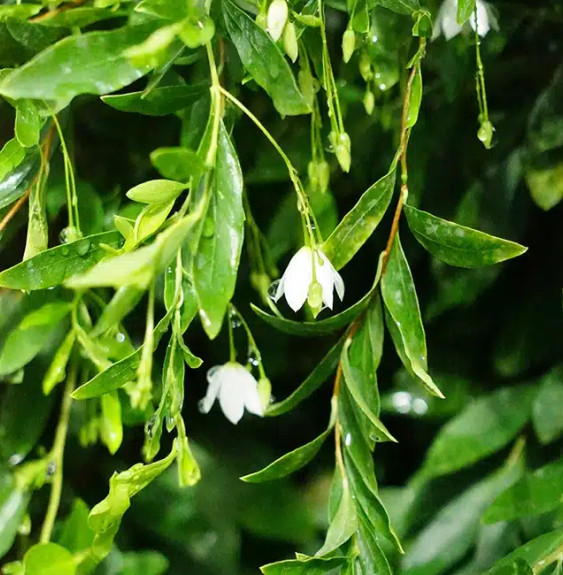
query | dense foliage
(162,163)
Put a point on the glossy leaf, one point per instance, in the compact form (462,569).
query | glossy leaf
(458,245)
(28,123)
(546,409)
(312,566)
(415,98)
(13,505)
(534,493)
(52,267)
(220,244)
(289,462)
(49,559)
(16,182)
(360,222)
(314,380)
(11,155)
(371,556)
(399,295)
(91,63)
(158,102)
(483,427)
(264,61)
(156,191)
(451,533)
(177,163)
(465,9)
(406,7)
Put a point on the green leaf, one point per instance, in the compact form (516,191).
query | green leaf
(401,303)
(314,380)
(482,428)
(91,63)
(15,183)
(49,559)
(360,222)
(28,123)
(465,9)
(545,183)
(452,531)
(11,156)
(177,163)
(546,409)
(371,557)
(312,566)
(79,17)
(148,222)
(19,11)
(13,505)
(111,427)
(124,300)
(57,370)
(144,563)
(264,61)
(415,98)
(406,7)
(52,267)
(291,461)
(362,386)
(31,335)
(75,534)
(220,244)
(535,493)
(458,245)
(118,374)
(158,102)
(156,191)
(343,525)
(533,552)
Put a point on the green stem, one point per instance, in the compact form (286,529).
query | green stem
(232,349)
(481,90)
(57,453)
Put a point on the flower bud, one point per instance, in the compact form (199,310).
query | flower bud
(369,102)
(264,392)
(323,176)
(315,297)
(342,151)
(195,33)
(485,133)
(365,67)
(277,17)
(290,44)
(348,45)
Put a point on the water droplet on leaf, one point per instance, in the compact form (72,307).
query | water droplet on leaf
(272,290)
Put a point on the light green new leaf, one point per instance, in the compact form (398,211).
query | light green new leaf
(11,156)
(452,531)
(343,525)
(533,552)
(401,303)
(158,102)
(124,300)
(534,493)
(483,427)
(311,566)
(13,505)
(156,191)
(264,61)
(415,98)
(360,222)
(57,370)
(177,163)
(91,63)
(465,9)
(49,559)
(28,123)
(52,267)
(314,380)
(291,461)
(458,245)
(218,254)
(546,409)
(19,11)
(75,535)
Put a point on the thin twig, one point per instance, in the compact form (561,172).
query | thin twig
(51,13)
(14,210)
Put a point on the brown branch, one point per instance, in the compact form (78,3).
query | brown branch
(14,209)
(52,13)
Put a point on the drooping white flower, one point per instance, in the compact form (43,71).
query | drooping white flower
(237,390)
(298,277)
(276,18)
(446,23)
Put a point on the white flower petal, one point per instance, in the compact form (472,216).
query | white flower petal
(214,383)
(338,284)
(249,388)
(483,24)
(447,19)
(279,289)
(232,400)
(325,276)
(297,278)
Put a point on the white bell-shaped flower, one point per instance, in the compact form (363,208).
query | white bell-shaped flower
(298,277)
(237,390)
(446,23)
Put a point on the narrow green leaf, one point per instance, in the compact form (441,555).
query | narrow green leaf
(57,370)
(28,123)
(158,102)
(483,427)
(177,163)
(452,531)
(52,267)
(218,253)
(458,245)
(312,566)
(19,11)
(264,61)
(156,191)
(371,556)
(535,493)
(13,505)
(11,156)
(289,462)
(91,63)
(533,552)
(399,295)
(406,7)
(546,409)
(49,559)
(124,300)
(415,98)
(314,380)
(80,16)
(360,222)
(75,535)
(14,183)
(465,9)
(343,525)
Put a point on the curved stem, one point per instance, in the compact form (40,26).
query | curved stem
(58,455)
